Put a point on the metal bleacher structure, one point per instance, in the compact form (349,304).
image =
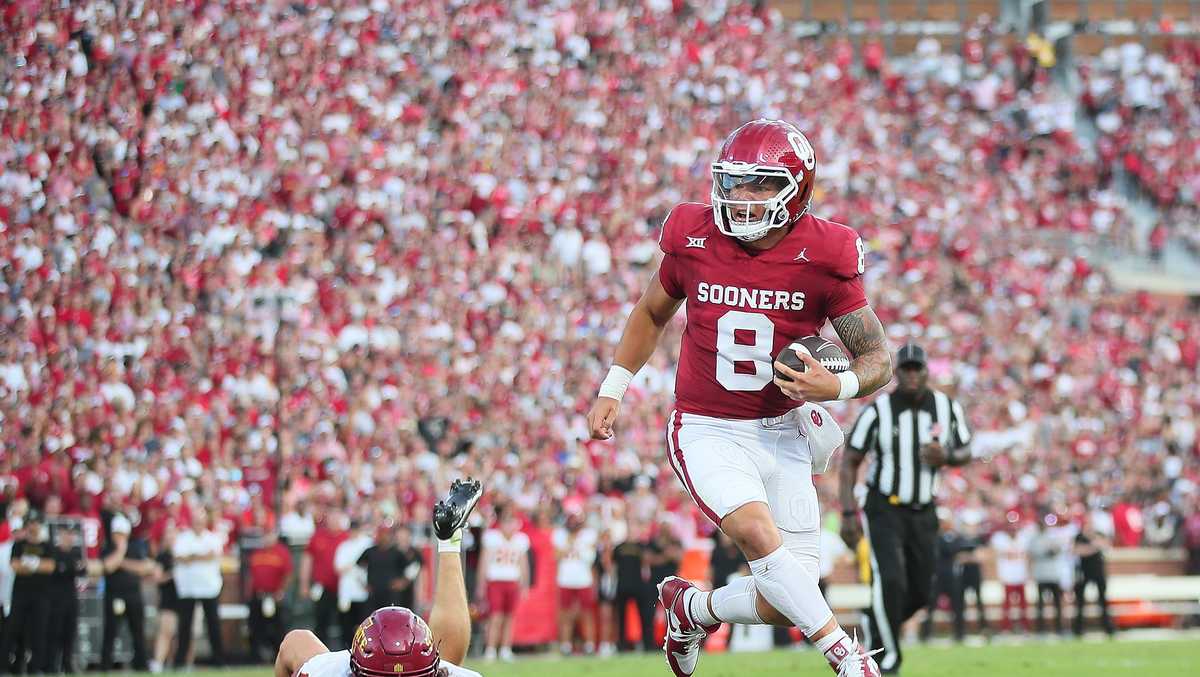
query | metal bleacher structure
(1091,25)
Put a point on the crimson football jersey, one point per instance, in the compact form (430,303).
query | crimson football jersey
(743,307)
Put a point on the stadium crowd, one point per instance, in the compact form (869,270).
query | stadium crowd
(268,259)
(1142,104)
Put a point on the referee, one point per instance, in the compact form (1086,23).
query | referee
(909,433)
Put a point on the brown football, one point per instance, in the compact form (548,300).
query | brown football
(825,351)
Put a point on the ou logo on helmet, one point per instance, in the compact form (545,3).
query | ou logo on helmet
(803,149)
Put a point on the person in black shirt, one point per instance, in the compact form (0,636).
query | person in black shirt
(125,561)
(33,564)
(946,582)
(1089,547)
(726,559)
(168,600)
(970,575)
(69,565)
(392,566)
(629,560)
(664,553)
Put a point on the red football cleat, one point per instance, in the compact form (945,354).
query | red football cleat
(684,635)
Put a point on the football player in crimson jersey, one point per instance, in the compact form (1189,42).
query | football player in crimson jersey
(756,270)
(394,640)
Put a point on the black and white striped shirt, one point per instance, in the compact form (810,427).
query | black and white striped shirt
(891,431)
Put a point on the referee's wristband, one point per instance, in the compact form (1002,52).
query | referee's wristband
(616,382)
(850,385)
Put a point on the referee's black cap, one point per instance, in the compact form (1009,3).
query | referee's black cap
(910,354)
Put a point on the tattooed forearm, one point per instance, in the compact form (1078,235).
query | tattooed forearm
(863,335)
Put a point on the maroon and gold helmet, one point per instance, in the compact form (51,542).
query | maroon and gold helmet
(759,152)
(393,641)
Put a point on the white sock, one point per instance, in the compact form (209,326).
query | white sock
(452,544)
(732,603)
(784,582)
(835,646)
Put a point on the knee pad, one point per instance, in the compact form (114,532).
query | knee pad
(805,546)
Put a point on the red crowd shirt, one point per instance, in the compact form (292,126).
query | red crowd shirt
(270,568)
(321,547)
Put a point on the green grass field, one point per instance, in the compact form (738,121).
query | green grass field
(1133,658)
(1068,659)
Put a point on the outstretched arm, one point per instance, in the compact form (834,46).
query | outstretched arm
(450,617)
(862,333)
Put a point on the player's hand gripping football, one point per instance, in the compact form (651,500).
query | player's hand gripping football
(814,384)
(600,418)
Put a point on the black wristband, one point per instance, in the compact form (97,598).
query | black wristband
(849,513)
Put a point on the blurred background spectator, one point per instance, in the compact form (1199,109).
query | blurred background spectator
(947,581)
(969,563)
(167,627)
(630,559)
(125,562)
(605,574)
(69,566)
(196,559)
(1089,549)
(576,547)
(1011,547)
(392,565)
(503,578)
(1047,550)
(1191,539)
(352,591)
(28,624)
(319,577)
(270,572)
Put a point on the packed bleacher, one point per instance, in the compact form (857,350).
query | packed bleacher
(1143,104)
(274,258)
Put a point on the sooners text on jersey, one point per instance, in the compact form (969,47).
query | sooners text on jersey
(743,307)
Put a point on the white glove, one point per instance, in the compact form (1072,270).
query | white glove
(823,433)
